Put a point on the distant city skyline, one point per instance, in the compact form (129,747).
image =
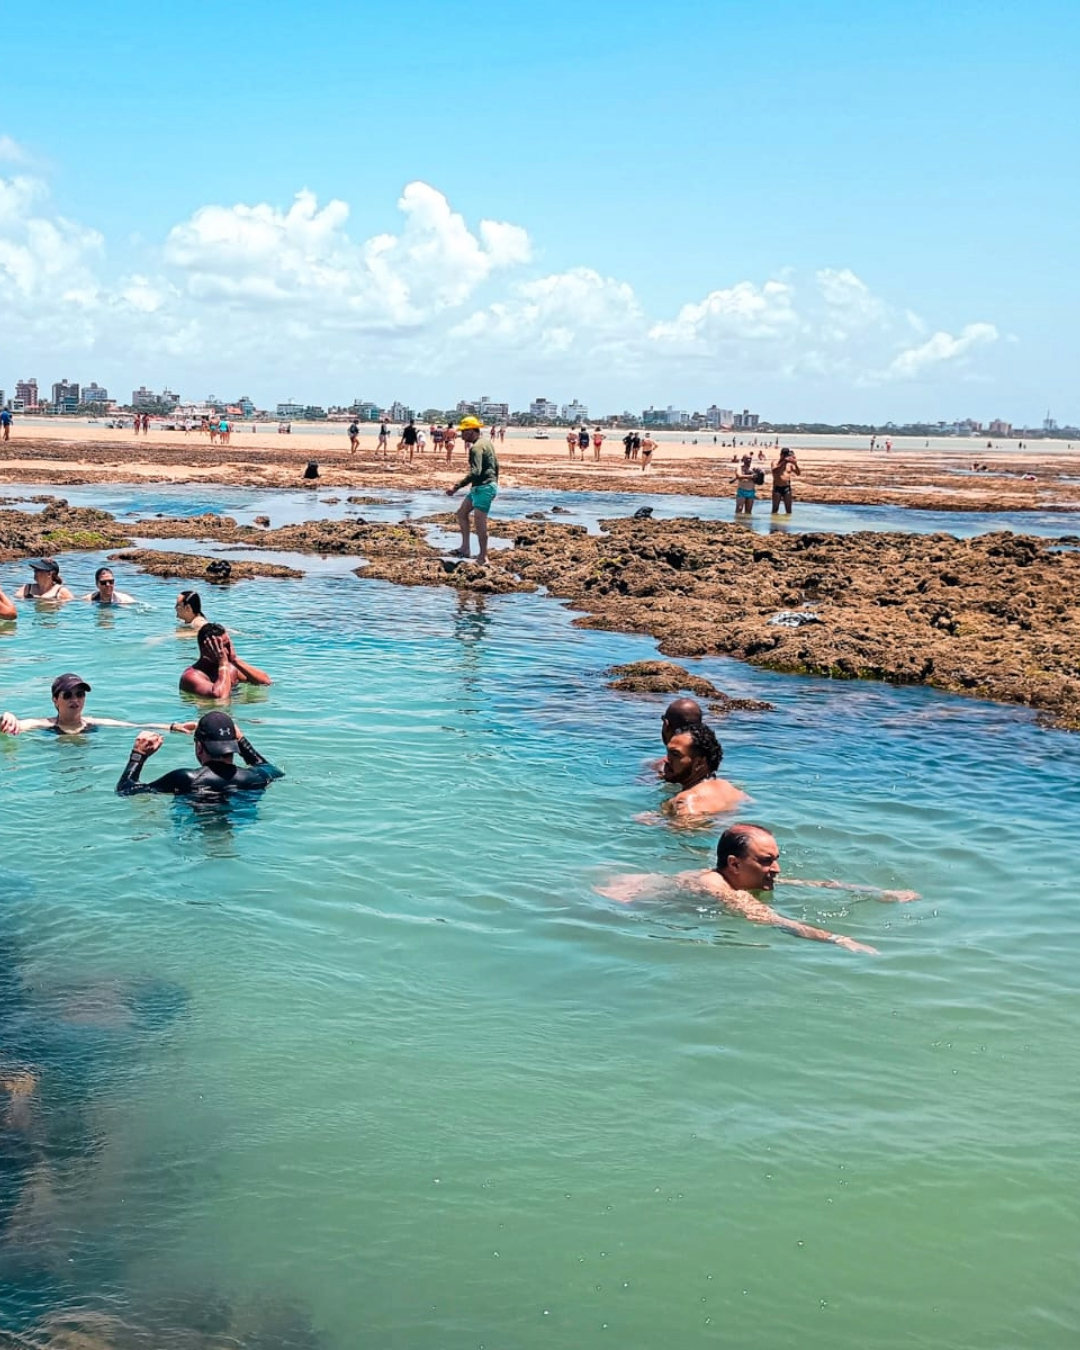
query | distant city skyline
(834,220)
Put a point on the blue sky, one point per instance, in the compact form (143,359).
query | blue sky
(815,210)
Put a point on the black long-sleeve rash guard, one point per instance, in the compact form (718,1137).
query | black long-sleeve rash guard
(209,780)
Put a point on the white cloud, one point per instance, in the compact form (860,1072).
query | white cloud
(303,257)
(11,152)
(940,348)
(743,312)
(249,294)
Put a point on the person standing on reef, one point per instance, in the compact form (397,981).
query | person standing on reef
(782,472)
(597,442)
(583,441)
(483,483)
(5,423)
(449,437)
(384,439)
(571,441)
(354,437)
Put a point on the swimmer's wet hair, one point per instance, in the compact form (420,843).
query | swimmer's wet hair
(193,600)
(683,713)
(735,842)
(208,632)
(703,741)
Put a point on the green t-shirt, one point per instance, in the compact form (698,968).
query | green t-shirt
(483,465)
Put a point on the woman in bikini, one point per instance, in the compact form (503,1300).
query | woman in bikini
(47,584)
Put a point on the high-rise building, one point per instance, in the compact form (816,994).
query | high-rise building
(399,413)
(719,418)
(999,428)
(94,393)
(65,395)
(575,412)
(543,410)
(746,420)
(245,405)
(26,391)
(490,411)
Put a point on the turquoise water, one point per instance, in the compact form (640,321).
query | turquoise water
(574,508)
(373,1045)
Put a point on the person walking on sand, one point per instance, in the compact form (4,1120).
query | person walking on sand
(5,423)
(583,441)
(449,437)
(597,442)
(483,483)
(409,438)
(648,445)
(384,439)
(782,472)
(354,437)
(571,441)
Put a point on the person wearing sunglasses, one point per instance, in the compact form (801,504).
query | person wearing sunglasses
(69,693)
(106,592)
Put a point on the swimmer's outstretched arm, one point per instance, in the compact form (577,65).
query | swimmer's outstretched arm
(899,897)
(174,783)
(747,906)
(11,725)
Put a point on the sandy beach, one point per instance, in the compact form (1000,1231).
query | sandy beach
(59,452)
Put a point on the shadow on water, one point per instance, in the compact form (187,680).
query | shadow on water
(61,1049)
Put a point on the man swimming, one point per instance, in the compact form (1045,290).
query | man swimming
(69,693)
(218,670)
(106,592)
(217,741)
(747,861)
(693,757)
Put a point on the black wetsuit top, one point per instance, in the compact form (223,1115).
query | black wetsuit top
(208,780)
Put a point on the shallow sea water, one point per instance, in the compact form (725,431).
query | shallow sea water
(574,508)
(374,1047)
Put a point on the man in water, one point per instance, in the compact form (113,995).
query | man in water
(69,693)
(693,757)
(106,593)
(218,670)
(747,863)
(782,472)
(217,740)
(483,483)
(678,715)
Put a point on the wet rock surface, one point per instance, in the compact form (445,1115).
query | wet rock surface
(195,567)
(57,529)
(665,677)
(993,617)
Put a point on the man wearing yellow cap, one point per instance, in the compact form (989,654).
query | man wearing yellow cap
(483,483)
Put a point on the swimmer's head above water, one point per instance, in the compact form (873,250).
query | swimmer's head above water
(748,857)
(682,713)
(693,754)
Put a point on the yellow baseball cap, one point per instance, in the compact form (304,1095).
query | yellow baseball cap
(470,424)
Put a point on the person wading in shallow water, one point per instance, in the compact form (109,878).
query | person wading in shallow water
(782,471)
(693,757)
(218,670)
(483,483)
(747,862)
(69,693)
(217,741)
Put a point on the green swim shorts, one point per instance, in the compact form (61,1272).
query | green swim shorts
(482,496)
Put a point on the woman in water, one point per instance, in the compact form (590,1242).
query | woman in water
(189,612)
(47,584)
(69,693)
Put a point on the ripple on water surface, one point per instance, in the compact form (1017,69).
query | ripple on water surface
(373,1043)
